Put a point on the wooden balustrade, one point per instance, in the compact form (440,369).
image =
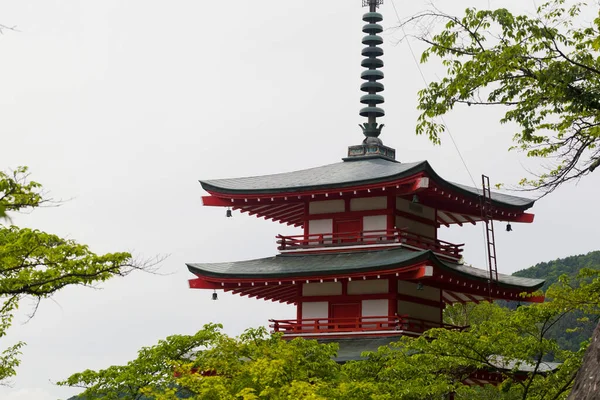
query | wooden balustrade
(316,326)
(377,237)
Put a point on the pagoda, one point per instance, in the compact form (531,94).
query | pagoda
(367,265)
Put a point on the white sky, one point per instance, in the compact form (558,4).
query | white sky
(121,106)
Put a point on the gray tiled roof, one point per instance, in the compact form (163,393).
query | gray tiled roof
(344,174)
(524,366)
(350,349)
(334,264)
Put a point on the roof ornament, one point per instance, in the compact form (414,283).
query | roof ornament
(372,146)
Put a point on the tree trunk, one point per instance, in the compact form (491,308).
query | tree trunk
(587,382)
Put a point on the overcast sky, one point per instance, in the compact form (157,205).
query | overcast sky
(121,106)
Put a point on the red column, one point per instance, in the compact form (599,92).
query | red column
(391,212)
(393,298)
(299,303)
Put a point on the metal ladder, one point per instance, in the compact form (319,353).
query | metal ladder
(488,218)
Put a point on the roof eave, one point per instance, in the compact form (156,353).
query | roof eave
(422,167)
(425,256)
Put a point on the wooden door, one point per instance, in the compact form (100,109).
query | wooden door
(346,316)
(347,230)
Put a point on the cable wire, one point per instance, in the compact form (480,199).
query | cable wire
(462,159)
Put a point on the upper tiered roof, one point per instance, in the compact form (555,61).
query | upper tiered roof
(285,192)
(350,174)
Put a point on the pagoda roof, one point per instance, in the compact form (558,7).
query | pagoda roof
(302,266)
(349,173)
(351,349)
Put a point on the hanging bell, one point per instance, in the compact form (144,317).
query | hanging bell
(508,227)
(415,199)
(215,296)
(228,213)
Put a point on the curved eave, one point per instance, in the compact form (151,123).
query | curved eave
(331,266)
(223,186)
(353,175)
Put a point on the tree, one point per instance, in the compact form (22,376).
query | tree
(514,344)
(211,365)
(544,70)
(588,378)
(153,369)
(37,264)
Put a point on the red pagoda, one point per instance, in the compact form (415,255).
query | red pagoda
(366,265)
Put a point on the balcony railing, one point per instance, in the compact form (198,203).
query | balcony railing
(360,325)
(379,237)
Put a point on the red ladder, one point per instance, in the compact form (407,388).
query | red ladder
(488,217)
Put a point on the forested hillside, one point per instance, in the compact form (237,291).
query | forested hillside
(551,271)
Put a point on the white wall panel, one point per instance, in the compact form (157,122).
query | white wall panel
(410,289)
(314,310)
(415,209)
(375,223)
(368,287)
(326,206)
(375,308)
(322,289)
(419,311)
(317,226)
(415,227)
(368,203)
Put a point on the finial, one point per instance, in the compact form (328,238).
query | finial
(372,4)
(372,145)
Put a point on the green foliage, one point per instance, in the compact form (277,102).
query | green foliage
(542,69)
(153,368)
(510,343)
(551,271)
(211,365)
(514,344)
(17,192)
(576,327)
(36,264)
(258,365)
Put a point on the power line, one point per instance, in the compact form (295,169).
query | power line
(462,159)
(426,84)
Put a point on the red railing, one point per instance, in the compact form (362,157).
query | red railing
(360,324)
(380,237)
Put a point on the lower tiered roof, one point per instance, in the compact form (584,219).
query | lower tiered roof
(269,277)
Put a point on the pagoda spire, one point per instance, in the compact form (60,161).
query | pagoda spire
(372,146)
(372,75)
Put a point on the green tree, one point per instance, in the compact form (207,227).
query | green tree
(514,344)
(211,365)
(509,343)
(153,369)
(37,264)
(544,70)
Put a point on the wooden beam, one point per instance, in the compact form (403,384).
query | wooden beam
(469,219)
(200,283)
(453,218)
(212,201)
